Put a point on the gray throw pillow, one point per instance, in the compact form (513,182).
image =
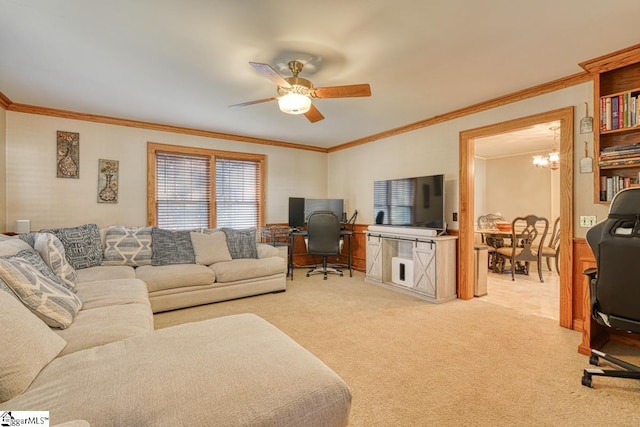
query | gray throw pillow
(82,244)
(171,247)
(241,243)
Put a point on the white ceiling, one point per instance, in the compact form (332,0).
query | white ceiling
(181,63)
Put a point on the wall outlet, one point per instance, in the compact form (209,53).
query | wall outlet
(455,216)
(587,221)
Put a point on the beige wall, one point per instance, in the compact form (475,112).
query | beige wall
(35,193)
(434,150)
(3,168)
(514,187)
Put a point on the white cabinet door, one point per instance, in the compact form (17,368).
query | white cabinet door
(425,279)
(374,258)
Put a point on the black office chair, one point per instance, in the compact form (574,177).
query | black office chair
(615,282)
(323,234)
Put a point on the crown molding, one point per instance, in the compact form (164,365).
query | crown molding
(531,92)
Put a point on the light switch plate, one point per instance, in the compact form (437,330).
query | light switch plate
(587,221)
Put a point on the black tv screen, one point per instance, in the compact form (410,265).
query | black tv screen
(410,202)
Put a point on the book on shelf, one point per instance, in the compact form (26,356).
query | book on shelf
(614,113)
(620,161)
(619,111)
(610,185)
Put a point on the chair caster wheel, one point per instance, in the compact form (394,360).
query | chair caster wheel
(586,380)
(594,360)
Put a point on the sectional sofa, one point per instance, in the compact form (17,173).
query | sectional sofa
(84,347)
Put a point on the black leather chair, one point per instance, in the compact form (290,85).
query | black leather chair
(615,282)
(323,234)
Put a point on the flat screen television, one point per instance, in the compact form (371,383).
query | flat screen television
(410,202)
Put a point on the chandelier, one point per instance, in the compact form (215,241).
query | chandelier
(552,160)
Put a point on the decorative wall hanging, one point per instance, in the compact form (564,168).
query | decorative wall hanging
(107,181)
(68,154)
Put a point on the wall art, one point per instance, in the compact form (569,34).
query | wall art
(68,154)
(108,181)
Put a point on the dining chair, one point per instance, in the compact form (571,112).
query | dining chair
(488,222)
(552,248)
(527,239)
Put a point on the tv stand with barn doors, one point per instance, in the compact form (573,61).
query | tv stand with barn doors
(412,260)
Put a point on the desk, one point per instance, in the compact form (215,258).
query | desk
(294,233)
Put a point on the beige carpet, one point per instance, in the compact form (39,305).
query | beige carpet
(412,363)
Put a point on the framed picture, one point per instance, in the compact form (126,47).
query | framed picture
(68,154)
(108,181)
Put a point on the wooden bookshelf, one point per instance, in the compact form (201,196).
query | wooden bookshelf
(616,76)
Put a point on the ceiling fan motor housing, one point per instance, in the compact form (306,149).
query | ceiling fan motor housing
(298,85)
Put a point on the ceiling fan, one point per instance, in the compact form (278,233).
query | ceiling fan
(295,93)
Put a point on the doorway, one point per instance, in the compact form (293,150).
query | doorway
(467,215)
(508,184)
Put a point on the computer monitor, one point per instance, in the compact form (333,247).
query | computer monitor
(334,205)
(296,211)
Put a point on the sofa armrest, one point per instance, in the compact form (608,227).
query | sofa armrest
(266,251)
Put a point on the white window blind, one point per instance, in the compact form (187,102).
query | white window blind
(183,191)
(237,193)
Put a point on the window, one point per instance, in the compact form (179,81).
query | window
(197,188)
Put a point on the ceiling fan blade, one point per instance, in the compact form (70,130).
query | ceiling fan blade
(347,91)
(313,115)
(267,71)
(257,101)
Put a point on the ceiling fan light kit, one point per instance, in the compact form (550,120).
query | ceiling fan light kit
(295,92)
(294,103)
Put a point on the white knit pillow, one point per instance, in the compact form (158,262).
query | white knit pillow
(51,250)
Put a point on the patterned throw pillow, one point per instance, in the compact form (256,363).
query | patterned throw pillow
(82,244)
(52,252)
(39,288)
(127,246)
(171,247)
(241,243)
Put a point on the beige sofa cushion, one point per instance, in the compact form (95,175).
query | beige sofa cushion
(100,272)
(12,246)
(103,293)
(248,268)
(230,371)
(28,346)
(210,247)
(173,276)
(102,325)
